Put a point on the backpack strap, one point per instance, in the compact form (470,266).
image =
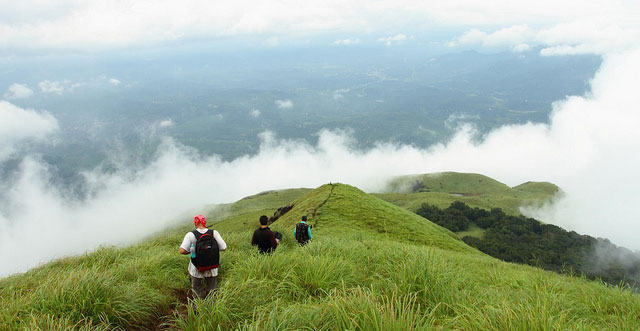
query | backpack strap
(196,234)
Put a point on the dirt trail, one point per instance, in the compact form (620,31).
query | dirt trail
(313,213)
(183,296)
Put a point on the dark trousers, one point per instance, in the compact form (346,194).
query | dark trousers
(202,290)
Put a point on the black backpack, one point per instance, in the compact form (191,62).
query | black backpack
(302,232)
(207,251)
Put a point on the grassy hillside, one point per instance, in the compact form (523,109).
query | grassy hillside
(371,265)
(441,189)
(263,201)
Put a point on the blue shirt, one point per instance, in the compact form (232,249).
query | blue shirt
(308,230)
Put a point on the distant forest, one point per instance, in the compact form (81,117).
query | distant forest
(528,241)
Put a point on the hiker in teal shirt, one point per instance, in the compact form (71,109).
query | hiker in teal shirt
(302,232)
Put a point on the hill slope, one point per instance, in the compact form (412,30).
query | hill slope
(371,265)
(441,189)
(337,209)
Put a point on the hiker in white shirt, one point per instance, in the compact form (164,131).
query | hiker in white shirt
(207,269)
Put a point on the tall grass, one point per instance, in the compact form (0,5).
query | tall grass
(110,289)
(385,285)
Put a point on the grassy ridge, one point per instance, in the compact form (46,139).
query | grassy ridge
(441,189)
(451,182)
(261,201)
(340,208)
(371,265)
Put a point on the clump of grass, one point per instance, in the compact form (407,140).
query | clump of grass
(402,286)
(110,288)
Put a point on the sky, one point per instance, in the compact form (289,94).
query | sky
(588,147)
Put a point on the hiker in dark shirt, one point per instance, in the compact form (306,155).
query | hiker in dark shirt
(264,238)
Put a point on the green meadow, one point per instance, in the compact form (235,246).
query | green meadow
(371,265)
(441,189)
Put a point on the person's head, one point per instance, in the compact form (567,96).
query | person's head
(264,220)
(199,220)
(304,218)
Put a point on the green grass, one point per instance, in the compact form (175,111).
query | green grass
(347,282)
(266,200)
(370,266)
(473,189)
(450,182)
(110,288)
(538,187)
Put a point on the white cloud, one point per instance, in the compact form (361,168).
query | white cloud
(114,81)
(76,24)
(284,104)
(18,91)
(166,123)
(18,125)
(347,42)
(394,39)
(577,37)
(473,36)
(520,48)
(514,35)
(455,121)
(51,87)
(255,113)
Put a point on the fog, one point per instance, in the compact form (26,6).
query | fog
(589,148)
(18,126)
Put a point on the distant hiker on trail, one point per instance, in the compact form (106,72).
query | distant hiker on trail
(302,232)
(204,245)
(264,238)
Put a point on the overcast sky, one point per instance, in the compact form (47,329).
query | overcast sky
(569,26)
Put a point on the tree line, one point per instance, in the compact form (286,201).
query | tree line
(526,240)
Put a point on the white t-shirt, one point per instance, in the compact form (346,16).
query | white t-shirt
(189,239)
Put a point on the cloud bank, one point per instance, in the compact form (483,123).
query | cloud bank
(596,25)
(588,149)
(18,126)
(577,37)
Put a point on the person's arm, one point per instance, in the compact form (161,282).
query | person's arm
(294,231)
(221,244)
(254,239)
(186,244)
(309,231)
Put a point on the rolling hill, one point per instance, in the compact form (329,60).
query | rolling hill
(441,189)
(371,265)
